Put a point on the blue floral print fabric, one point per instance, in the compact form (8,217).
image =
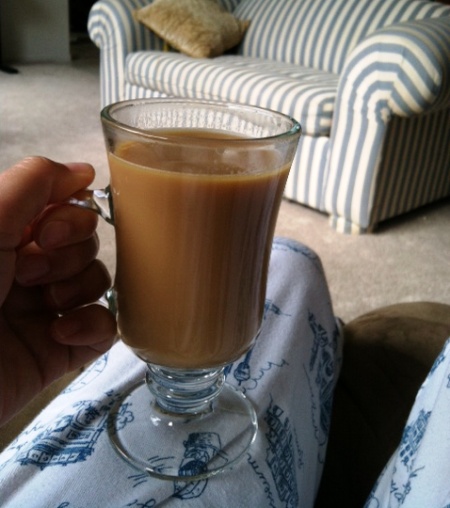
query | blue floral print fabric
(64,458)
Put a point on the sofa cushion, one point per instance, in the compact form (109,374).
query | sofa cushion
(320,34)
(306,94)
(199,28)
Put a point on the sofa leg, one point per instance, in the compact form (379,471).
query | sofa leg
(343,225)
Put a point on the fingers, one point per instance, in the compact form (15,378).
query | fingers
(29,186)
(92,326)
(86,287)
(89,331)
(37,266)
(26,189)
(60,226)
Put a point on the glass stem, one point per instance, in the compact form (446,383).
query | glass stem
(182,392)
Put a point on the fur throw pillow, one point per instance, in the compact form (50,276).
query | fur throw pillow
(198,28)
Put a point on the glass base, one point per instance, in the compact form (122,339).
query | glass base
(187,447)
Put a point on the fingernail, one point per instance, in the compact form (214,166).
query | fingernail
(54,234)
(83,167)
(64,295)
(66,327)
(31,268)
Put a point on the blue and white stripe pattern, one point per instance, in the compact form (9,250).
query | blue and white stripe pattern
(304,93)
(321,34)
(398,73)
(361,76)
(113,29)
(422,167)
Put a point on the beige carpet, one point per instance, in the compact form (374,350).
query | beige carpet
(53,110)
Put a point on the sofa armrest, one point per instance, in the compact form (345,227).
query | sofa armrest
(401,70)
(114,30)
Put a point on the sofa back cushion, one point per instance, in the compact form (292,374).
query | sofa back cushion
(320,33)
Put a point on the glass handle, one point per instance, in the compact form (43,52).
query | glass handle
(98,200)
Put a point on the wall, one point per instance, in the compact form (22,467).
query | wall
(35,31)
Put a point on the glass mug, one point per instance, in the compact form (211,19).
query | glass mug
(194,196)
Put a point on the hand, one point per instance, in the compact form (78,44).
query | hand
(49,278)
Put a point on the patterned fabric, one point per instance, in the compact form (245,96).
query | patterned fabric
(394,75)
(413,170)
(367,79)
(65,458)
(418,473)
(320,34)
(306,94)
(112,28)
(307,178)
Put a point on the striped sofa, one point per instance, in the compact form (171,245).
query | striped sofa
(369,80)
